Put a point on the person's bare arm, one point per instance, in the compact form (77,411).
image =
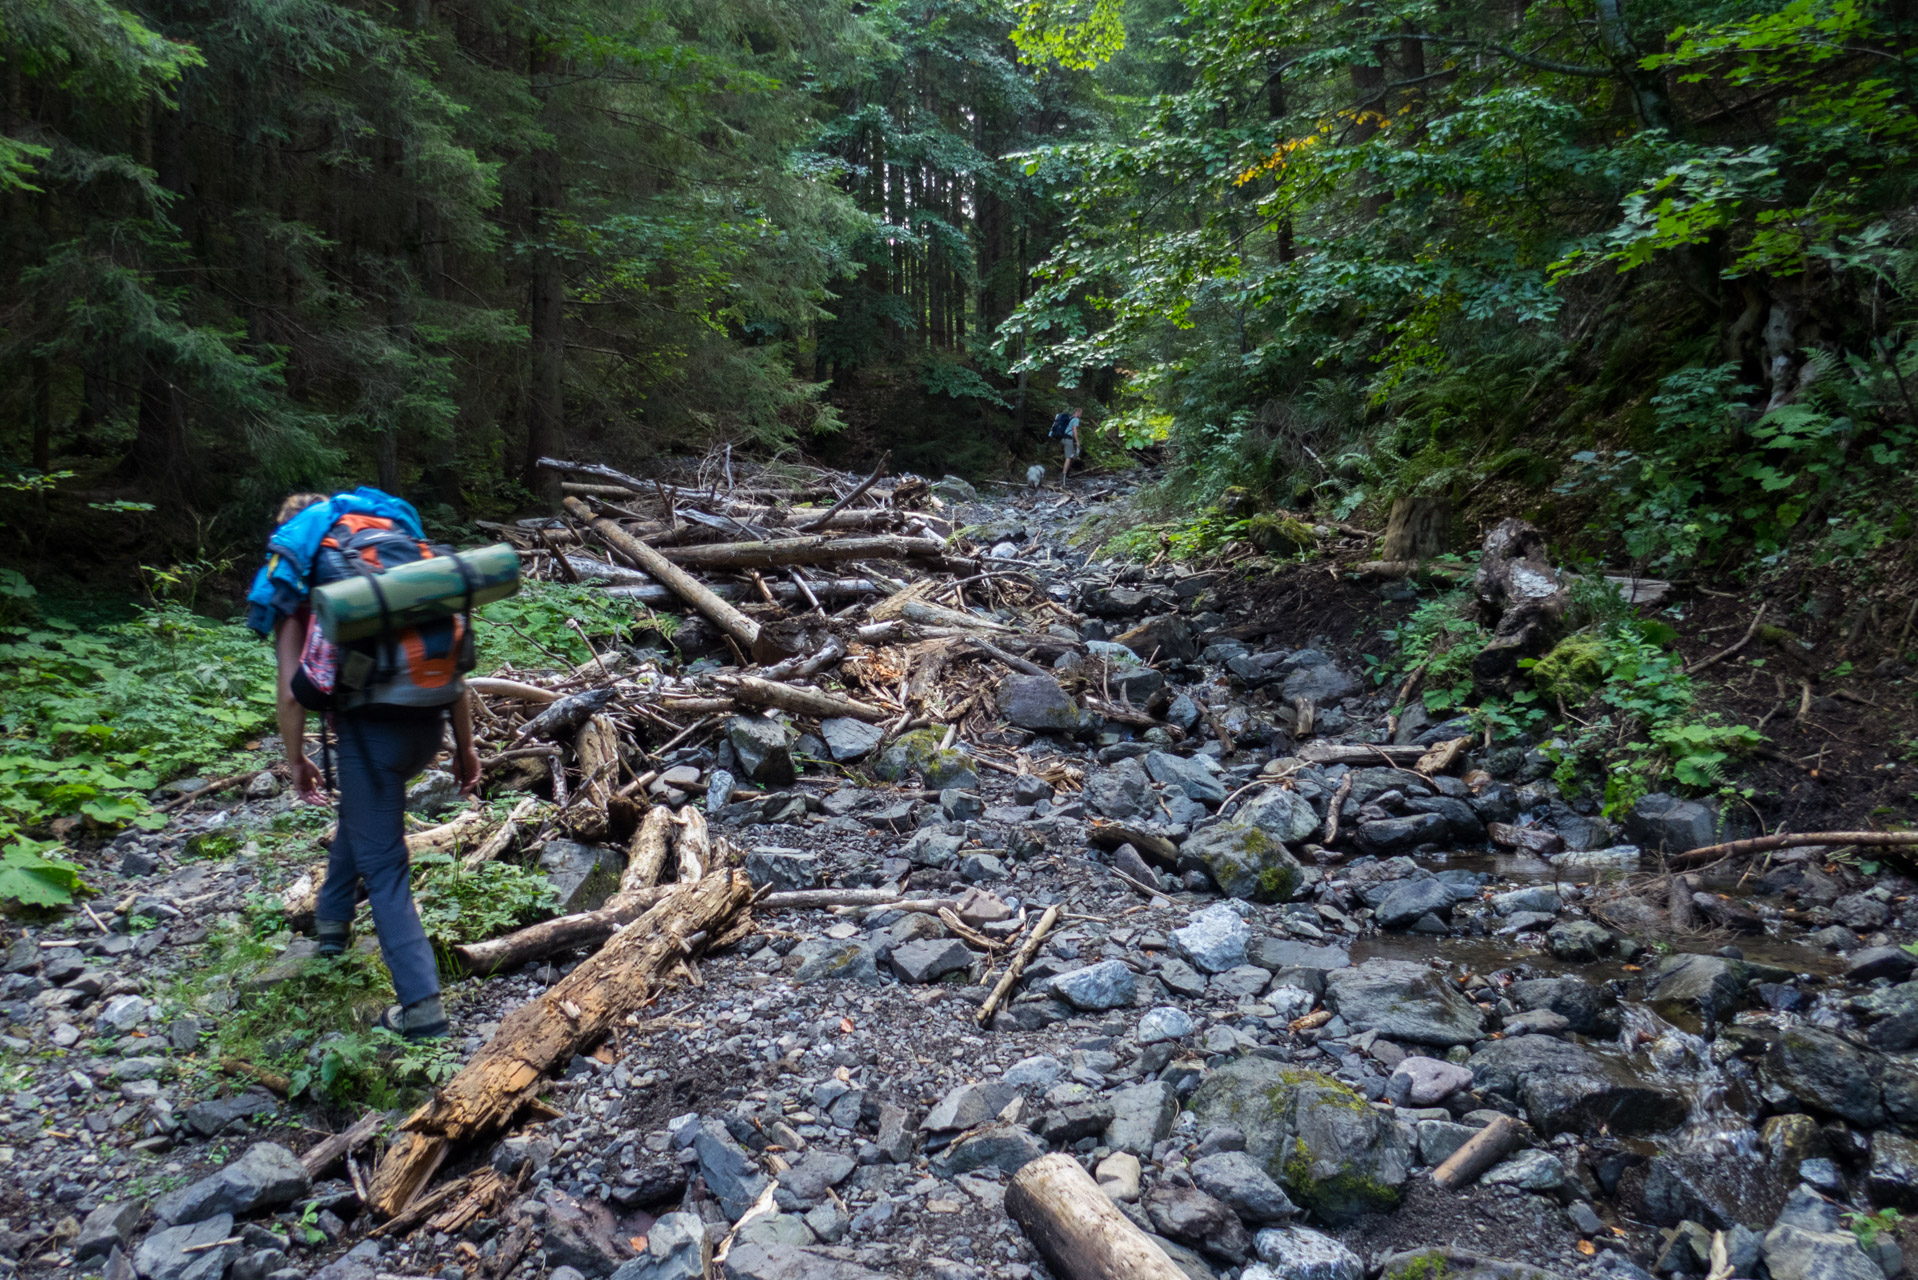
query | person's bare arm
(466,764)
(292,716)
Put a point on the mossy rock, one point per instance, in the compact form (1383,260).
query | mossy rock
(1247,862)
(1572,671)
(907,752)
(1280,535)
(1334,1153)
(1235,502)
(213,844)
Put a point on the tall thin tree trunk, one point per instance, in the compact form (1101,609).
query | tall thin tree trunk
(546,294)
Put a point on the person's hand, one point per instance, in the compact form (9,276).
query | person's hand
(307,780)
(466,767)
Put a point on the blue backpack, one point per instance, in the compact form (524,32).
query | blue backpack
(1061,424)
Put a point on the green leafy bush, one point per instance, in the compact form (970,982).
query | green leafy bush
(530,631)
(31,879)
(467,904)
(91,720)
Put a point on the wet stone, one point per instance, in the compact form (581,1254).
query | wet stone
(1095,988)
(1299,1253)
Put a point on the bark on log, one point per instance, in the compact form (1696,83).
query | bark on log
(1358,753)
(1481,1151)
(1416,529)
(546,1032)
(494,687)
(784,551)
(1441,757)
(327,1152)
(646,855)
(1811,839)
(501,840)
(1020,959)
(598,747)
(742,629)
(693,844)
(562,933)
(1076,1227)
(753,691)
(828,589)
(1678,897)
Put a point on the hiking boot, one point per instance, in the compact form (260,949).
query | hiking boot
(421,1020)
(334,937)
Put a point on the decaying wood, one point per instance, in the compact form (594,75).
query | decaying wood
(1417,528)
(1358,753)
(646,855)
(327,1152)
(199,793)
(803,702)
(693,844)
(562,933)
(885,460)
(1684,915)
(502,840)
(1442,756)
(1023,957)
(1110,835)
(548,1030)
(1077,1229)
(780,552)
(1331,831)
(494,687)
(1807,840)
(1481,1151)
(744,631)
(598,746)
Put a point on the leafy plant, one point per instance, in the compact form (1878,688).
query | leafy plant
(31,879)
(532,630)
(1869,1226)
(458,903)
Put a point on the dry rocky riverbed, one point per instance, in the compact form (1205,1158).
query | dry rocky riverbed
(1264,1082)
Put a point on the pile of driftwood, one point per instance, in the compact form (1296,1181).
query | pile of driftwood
(857,600)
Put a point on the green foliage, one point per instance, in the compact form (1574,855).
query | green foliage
(531,630)
(91,720)
(458,903)
(1193,538)
(29,878)
(1869,1226)
(1440,636)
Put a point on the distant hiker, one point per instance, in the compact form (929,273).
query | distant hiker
(390,714)
(1070,439)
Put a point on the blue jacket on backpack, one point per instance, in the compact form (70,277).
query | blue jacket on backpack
(281,585)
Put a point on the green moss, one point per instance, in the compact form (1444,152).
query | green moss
(1276,884)
(1573,670)
(1427,1266)
(212,844)
(1280,535)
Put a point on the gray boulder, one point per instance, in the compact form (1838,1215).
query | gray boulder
(1141,1117)
(848,740)
(1036,702)
(1661,823)
(164,1255)
(968,1106)
(107,1228)
(1323,684)
(929,959)
(583,875)
(852,959)
(1121,792)
(793,1262)
(1793,1253)
(1246,861)
(1097,987)
(265,1177)
(1300,1253)
(1237,1180)
(1586,1007)
(1570,1088)
(735,1181)
(1579,941)
(1419,1081)
(1194,1218)
(782,868)
(213,1115)
(1214,939)
(764,749)
(1199,777)
(1284,815)
(1827,1074)
(677,1248)
(1411,899)
(1711,986)
(1403,1002)
(1004,1148)
(1893,1179)
(1331,1151)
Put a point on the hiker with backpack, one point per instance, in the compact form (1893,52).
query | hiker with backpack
(386,698)
(1065,428)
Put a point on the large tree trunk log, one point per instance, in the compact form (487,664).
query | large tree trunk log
(804,702)
(646,855)
(598,745)
(785,551)
(1077,1229)
(547,1031)
(1417,528)
(1349,753)
(688,588)
(562,933)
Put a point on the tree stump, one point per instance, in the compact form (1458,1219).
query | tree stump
(1416,529)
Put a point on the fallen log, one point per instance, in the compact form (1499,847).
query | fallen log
(502,839)
(598,746)
(885,460)
(753,691)
(784,551)
(744,631)
(1077,1229)
(826,589)
(494,687)
(1017,966)
(545,1032)
(1481,1151)
(327,1152)
(1358,753)
(1441,757)
(1807,840)
(827,655)
(562,933)
(646,855)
